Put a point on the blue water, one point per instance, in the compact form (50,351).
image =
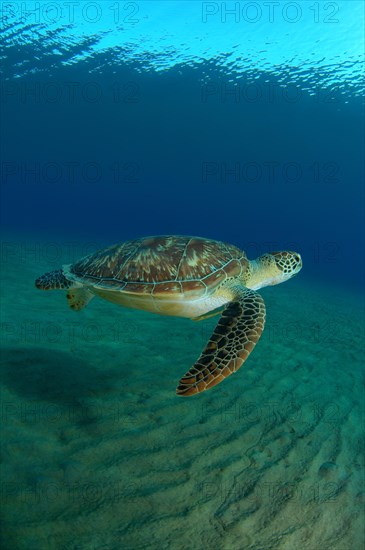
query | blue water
(179,117)
(237,121)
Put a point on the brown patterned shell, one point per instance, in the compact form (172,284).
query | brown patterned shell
(163,264)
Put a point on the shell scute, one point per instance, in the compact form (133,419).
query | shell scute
(234,268)
(167,287)
(138,288)
(194,287)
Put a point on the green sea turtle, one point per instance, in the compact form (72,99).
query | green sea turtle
(184,277)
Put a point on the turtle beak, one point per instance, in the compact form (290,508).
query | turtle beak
(299,266)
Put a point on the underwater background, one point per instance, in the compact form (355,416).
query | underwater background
(237,121)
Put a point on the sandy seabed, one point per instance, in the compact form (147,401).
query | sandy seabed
(98,453)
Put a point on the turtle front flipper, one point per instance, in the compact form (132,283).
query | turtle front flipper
(232,341)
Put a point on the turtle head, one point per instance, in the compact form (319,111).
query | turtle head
(53,280)
(274,268)
(288,263)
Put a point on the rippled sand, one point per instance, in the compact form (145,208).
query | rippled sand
(99,453)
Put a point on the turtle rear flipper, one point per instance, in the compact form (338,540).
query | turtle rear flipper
(232,341)
(77,298)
